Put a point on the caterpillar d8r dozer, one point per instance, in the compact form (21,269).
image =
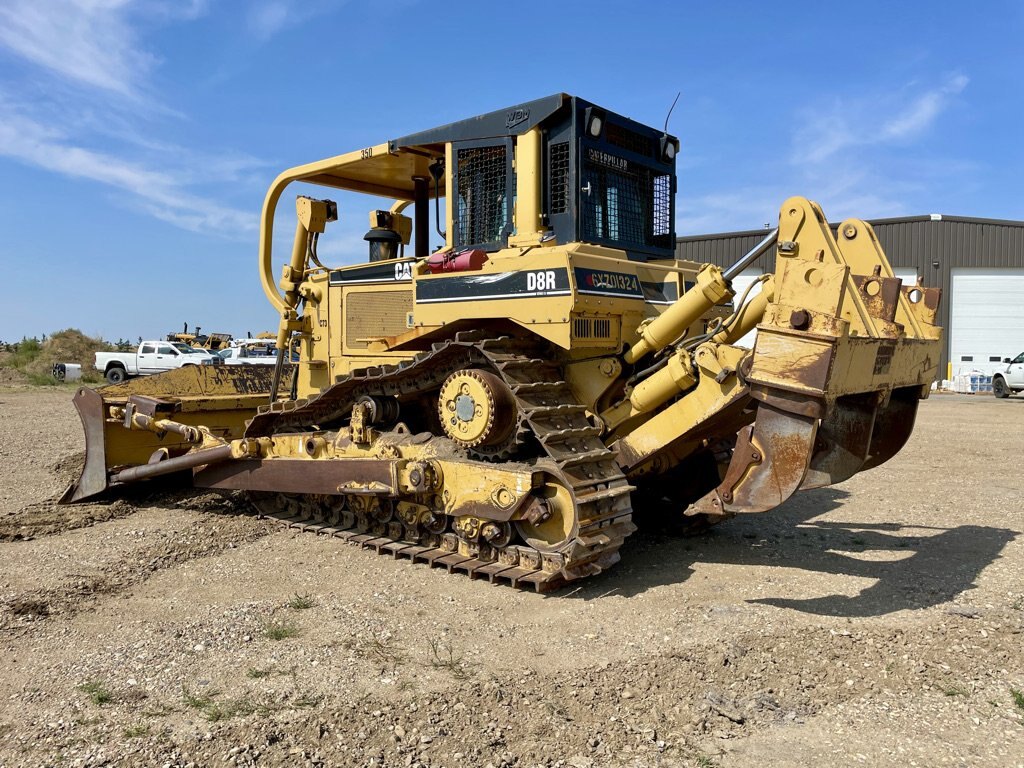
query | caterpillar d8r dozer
(494,406)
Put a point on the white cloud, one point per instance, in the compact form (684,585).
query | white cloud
(88,41)
(264,20)
(161,192)
(880,179)
(89,120)
(863,190)
(878,119)
(267,18)
(923,111)
(726,210)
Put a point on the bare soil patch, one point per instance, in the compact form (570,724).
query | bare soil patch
(878,622)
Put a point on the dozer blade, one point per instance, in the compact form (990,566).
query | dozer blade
(93,480)
(219,398)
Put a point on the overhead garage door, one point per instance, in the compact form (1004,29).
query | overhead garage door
(739,284)
(986,318)
(907,274)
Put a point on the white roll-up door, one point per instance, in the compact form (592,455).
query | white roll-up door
(907,274)
(986,321)
(739,285)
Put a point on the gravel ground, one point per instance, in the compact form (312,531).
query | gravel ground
(877,622)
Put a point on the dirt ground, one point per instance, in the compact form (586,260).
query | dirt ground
(878,622)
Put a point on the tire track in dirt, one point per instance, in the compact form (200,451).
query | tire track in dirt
(48,517)
(223,523)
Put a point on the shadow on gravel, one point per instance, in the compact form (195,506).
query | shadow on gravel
(915,565)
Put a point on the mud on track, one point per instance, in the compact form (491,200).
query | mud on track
(878,622)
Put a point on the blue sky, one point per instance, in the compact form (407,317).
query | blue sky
(138,137)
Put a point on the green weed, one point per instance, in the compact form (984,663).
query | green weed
(301,602)
(276,630)
(444,656)
(1018,698)
(98,693)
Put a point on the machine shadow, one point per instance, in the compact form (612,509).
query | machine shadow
(915,566)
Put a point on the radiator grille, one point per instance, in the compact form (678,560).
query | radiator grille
(375,313)
(627,139)
(594,328)
(482,210)
(662,215)
(558,165)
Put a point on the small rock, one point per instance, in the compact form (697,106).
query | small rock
(627,694)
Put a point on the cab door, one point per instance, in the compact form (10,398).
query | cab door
(164,358)
(146,359)
(167,357)
(1015,372)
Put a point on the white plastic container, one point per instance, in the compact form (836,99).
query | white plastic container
(67,371)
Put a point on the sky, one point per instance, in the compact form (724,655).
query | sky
(138,137)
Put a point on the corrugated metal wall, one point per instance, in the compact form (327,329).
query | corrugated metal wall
(918,242)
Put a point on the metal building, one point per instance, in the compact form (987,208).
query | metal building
(978,264)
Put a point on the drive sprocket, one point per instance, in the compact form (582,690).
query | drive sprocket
(477,408)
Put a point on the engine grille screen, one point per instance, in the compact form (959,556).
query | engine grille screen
(482,214)
(627,139)
(373,314)
(558,163)
(624,202)
(595,331)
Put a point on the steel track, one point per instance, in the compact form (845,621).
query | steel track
(551,419)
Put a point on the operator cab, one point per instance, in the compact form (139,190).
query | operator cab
(558,168)
(554,170)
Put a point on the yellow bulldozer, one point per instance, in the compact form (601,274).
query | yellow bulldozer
(212,342)
(495,405)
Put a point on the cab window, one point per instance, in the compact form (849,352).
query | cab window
(147,349)
(162,350)
(1019,358)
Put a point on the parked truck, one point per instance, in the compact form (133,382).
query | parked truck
(151,357)
(250,352)
(1010,380)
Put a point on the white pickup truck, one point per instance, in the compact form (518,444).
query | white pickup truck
(151,357)
(250,352)
(1010,380)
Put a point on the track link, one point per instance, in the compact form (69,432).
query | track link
(549,418)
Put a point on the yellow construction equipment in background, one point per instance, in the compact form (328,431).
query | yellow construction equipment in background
(495,404)
(209,341)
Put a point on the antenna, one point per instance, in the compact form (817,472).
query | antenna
(678,94)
